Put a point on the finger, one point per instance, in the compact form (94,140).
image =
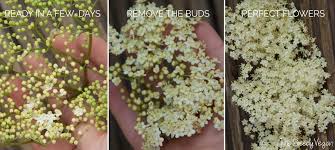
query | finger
(213,42)
(94,76)
(99,49)
(32,63)
(125,118)
(67,113)
(90,138)
(69,46)
(79,47)
(36,63)
(17,95)
(60,144)
(63,44)
(77,50)
(209,137)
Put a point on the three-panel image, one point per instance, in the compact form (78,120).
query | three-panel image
(167,74)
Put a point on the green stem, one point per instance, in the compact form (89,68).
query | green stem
(87,57)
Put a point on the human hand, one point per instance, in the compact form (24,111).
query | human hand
(209,138)
(88,136)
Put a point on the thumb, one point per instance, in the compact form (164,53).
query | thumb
(89,138)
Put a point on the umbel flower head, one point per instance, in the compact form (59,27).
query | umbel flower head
(173,86)
(281,79)
(38,82)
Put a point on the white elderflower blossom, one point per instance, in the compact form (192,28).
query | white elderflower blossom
(62,92)
(30,106)
(175,88)
(117,48)
(78,111)
(281,79)
(47,87)
(46,119)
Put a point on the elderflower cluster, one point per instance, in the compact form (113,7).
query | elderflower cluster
(174,87)
(281,78)
(38,82)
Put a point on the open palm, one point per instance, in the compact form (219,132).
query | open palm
(90,139)
(208,139)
